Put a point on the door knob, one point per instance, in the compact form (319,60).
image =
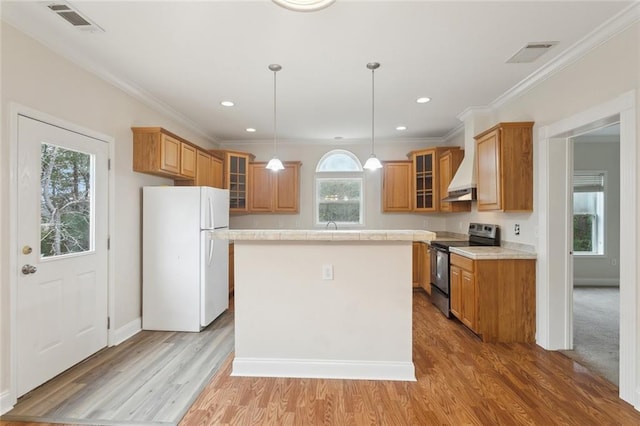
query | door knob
(29,269)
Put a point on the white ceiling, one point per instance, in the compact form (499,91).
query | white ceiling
(188,56)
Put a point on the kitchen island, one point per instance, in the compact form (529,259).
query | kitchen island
(324,304)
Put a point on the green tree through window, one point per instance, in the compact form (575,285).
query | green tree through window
(65,202)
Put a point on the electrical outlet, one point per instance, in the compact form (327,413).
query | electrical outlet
(327,272)
(516,229)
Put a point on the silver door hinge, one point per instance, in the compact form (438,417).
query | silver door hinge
(108,323)
(109,164)
(108,243)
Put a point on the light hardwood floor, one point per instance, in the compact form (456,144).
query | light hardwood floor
(460,381)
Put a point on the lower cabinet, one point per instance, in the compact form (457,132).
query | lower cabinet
(495,299)
(421,266)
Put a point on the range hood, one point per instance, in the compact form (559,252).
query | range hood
(463,184)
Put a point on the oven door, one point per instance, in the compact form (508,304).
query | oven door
(440,269)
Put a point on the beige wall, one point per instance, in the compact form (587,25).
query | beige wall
(310,153)
(37,78)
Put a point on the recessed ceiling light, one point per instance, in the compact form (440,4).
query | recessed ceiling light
(227,103)
(401,128)
(337,138)
(250,129)
(423,100)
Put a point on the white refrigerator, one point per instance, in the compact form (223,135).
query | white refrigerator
(185,271)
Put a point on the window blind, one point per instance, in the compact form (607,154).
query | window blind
(588,182)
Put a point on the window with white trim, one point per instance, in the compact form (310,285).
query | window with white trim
(339,194)
(588,213)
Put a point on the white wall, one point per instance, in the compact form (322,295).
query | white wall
(37,78)
(601,270)
(310,153)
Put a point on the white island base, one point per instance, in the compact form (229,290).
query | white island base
(290,321)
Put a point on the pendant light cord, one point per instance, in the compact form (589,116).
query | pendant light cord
(373,109)
(275,121)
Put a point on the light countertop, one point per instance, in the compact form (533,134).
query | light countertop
(324,235)
(491,253)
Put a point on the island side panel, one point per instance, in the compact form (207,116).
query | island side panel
(292,323)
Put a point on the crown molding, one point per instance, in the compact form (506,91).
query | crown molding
(610,28)
(333,142)
(127,87)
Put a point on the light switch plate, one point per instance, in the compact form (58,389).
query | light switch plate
(327,272)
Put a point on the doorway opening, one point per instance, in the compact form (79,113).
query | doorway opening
(555,225)
(595,213)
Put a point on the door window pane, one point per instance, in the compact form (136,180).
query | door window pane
(65,201)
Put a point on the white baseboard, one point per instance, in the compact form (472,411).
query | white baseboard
(321,369)
(121,334)
(6,402)
(596,282)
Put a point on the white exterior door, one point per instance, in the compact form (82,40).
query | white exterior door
(61,296)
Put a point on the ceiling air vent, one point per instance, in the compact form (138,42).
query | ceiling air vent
(531,52)
(73,16)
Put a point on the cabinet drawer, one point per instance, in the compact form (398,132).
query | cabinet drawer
(462,262)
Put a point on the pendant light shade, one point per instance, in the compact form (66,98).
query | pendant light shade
(372,162)
(275,164)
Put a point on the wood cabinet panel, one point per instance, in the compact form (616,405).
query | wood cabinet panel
(455,291)
(415,262)
(261,184)
(159,152)
(397,178)
(170,151)
(217,172)
(495,298)
(287,196)
(469,303)
(504,160)
(274,192)
(188,160)
(204,171)
(425,268)
(236,175)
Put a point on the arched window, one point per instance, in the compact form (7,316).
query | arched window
(339,194)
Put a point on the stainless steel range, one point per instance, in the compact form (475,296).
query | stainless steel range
(480,234)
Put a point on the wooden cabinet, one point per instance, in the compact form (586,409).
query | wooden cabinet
(397,181)
(421,266)
(426,189)
(494,298)
(504,160)
(416,264)
(274,192)
(449,162)
(455,290)
(236,177)
(217,172)
(204,169)
(159,152)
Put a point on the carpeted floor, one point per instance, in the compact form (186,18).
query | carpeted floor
(596,330)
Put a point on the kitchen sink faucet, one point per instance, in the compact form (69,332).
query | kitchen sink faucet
(334,224)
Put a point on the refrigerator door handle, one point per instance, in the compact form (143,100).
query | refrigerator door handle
(211,224)
(210,249)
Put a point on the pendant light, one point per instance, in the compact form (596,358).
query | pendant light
(275,164)
(372,162)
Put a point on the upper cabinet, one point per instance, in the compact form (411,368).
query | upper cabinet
(397,181)
(159,152)
(449,162)
(425,191)
(274,192)
(236,178)
(504,155)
